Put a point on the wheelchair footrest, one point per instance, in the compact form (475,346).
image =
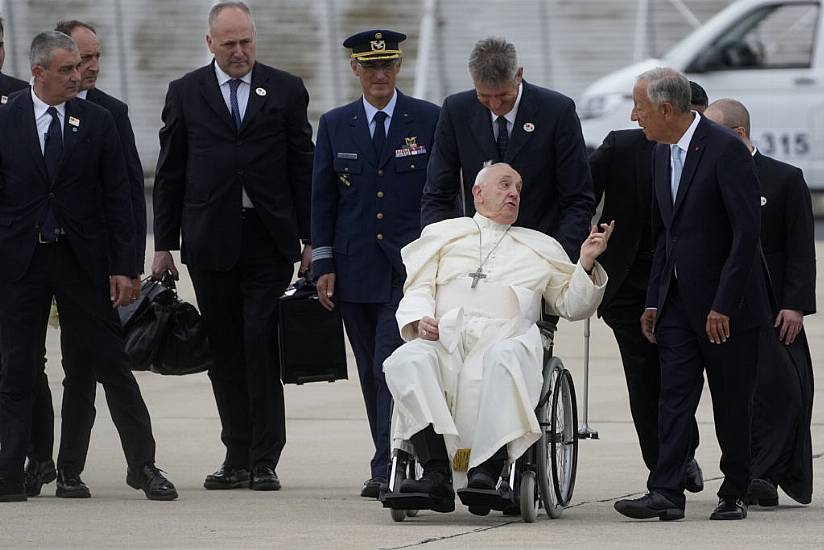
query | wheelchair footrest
(417,501)
(493,499)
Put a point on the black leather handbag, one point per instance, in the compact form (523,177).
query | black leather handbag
(310,338)
(163,333)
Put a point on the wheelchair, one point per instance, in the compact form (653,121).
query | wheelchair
(543,477)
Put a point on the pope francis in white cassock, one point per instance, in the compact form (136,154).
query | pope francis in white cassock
(468,379)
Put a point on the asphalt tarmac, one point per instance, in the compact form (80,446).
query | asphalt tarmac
(326,460)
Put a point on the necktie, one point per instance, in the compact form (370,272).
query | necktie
(503,137)
(233,85)
(379,137)
(677,167)
(52,151)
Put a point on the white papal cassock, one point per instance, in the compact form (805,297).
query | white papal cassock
(479,384)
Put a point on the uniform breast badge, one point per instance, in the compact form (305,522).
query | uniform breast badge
(410,148)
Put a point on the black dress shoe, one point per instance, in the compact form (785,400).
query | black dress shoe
(729,508)
(479,478)
(227,477)
(372,487)
(264,478)
(71,486)
(651,505)
(152,481)
(763,492)
(12,491)
(693,477)
(39,473)
(436,484)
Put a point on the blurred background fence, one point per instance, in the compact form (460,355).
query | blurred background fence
(562,44)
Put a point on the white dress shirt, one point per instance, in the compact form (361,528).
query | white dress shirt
(686,138)
(243,90)
(371,111)
(510,116)
(43,119)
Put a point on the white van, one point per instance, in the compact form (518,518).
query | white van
(768,54)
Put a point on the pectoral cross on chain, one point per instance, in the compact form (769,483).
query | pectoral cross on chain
(477,276)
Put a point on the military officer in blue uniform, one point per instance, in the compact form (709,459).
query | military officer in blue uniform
(369,172)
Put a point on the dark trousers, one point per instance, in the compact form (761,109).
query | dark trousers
(731,369)
(640,360)
(239,310)
(42,441)
(88,320)
(77,413)
(374,335)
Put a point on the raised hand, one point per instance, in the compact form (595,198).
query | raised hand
(595,244)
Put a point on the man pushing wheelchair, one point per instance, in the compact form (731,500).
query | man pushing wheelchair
(468,379)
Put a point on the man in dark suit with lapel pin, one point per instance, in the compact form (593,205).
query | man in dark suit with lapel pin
(370,169)
(79,386)
(8,84)
(783,402)
(234,179)
(43,416)
(533,129)
(706,300)
(66,232)
(622,175)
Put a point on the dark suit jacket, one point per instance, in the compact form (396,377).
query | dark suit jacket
(9,85)
(205,161)
(347,214)
(120,113)
(557,197)
(711,233)
(787,233)
(90,194)
(622,175)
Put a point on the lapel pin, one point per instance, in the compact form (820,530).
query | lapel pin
(529,127)
(4,99)
(260,91)
(763,201)
(74,122)
(697,148)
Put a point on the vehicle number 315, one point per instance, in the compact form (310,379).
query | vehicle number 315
(783,143)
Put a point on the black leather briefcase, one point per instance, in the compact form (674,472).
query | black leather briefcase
(310,338)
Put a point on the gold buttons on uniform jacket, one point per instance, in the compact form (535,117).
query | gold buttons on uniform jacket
(380,215)
(380,236)
(380,172)
(380,194)
(411,165)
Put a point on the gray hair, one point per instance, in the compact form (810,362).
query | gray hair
(220,6)
(493,61)
(665,85)
(733,114)
(45,43)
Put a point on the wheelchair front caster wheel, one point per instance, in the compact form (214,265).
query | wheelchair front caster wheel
(411,513)
(398,515)
(479,510)
(529,497)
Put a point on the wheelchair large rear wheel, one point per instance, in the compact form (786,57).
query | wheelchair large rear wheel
(556,455)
